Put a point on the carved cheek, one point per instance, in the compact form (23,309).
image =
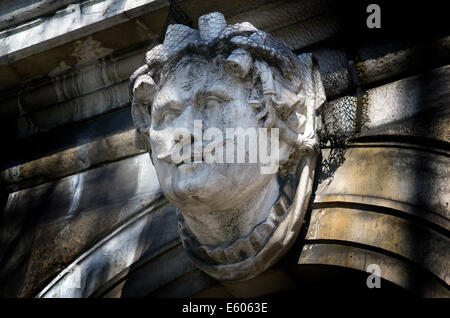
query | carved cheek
(162,141)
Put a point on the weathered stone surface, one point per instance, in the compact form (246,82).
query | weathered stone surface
(339,232)
(141,238)
(402,209)
(72,160)
(87,79)
(333,66)
(401,174)
(311,31)
(179,279)
(72,111)
(411,241)
(401,99)
(169,266)
(81,81)
(56,63)
(13,12)
(396,162)
(409,107)
(373,238)
(131,33)
(55,222)
(61,152)
(68,24)
(263,14)
(393,269)
(332,63)
(405,114)
(278,14)
(379,62)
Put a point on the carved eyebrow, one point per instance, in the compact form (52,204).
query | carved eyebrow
(158,106)
(218,94)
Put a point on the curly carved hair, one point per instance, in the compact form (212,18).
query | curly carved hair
(287,91)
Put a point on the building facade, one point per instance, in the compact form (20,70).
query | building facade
(83,213)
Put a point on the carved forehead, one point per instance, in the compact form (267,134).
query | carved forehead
(187,74)
(196,74)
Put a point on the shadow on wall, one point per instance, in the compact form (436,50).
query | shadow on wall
(425,189)
(49,226)
(328,281)
(18,228)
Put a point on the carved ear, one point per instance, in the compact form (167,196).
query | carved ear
(142,88)
(312,80)
(318,86)
(141,118)
(314,92)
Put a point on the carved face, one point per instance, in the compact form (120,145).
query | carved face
(234,220)
(201,90)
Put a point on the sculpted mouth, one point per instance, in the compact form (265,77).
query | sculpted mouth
(190,162)
(182,163)
(188,166)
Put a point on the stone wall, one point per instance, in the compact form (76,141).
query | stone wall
(84,215)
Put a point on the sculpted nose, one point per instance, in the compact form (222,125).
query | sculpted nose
(190,121)
(168,142)
(189,135)
(186,119)
(181,134)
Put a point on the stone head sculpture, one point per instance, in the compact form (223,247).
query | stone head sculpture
(235,218)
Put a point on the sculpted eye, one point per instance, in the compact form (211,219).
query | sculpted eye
(169,115)
(213,101)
